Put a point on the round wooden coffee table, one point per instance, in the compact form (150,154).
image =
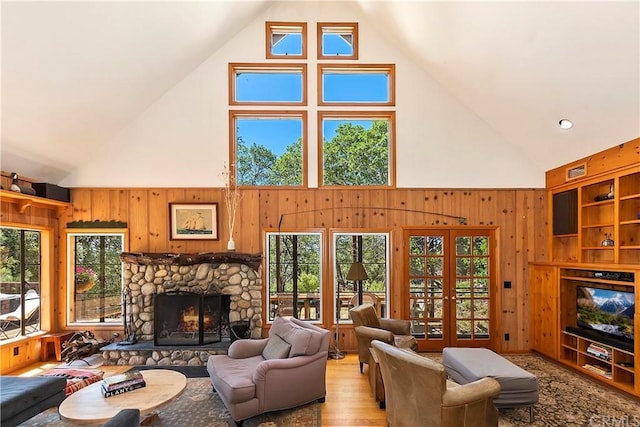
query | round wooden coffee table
(87,406)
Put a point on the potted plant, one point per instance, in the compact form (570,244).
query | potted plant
(85,279)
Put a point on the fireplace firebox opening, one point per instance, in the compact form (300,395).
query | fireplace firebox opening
(187,318)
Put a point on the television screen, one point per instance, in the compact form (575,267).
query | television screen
(607,311)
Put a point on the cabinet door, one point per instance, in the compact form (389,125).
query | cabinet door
(544,309)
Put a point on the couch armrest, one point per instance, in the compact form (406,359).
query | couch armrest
(371,334)
(481,389)
(284,383)
(397,326)
(265,366)
(241,349)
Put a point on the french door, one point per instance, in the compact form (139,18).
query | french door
(450,281)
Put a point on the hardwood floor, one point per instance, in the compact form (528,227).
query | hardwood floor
(349,401)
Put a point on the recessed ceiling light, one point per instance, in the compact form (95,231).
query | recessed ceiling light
(565,124)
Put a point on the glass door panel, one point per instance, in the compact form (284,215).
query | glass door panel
(427,291)
(449,278)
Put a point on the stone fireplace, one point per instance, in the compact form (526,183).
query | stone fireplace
(235,276)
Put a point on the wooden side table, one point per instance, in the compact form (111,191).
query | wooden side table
(56,338)
(375,379)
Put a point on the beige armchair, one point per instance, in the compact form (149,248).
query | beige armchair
(417,393)
(280,372)
(368,327)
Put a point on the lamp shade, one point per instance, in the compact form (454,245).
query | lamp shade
(357,272)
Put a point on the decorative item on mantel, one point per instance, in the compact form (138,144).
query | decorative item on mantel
(232,198)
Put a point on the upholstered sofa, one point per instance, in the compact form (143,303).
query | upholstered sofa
(283,371)
(24,397)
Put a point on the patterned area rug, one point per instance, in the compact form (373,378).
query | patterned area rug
(198,406)
(567,399)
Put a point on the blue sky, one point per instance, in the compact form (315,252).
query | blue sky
(276,133)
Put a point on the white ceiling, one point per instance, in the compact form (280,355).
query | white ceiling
(74,74)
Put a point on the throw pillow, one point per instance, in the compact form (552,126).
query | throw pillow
(299,338)
(276,348)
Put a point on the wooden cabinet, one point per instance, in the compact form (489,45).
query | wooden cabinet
(607,212)
(594,247)
(544,309)
(613,365)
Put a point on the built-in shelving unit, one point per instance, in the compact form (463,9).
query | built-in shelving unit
(604,357)
(23,201)
(594,245)
(616,366)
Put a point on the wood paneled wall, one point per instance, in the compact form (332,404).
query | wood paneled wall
(519,216)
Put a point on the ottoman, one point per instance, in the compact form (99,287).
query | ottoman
(518,388)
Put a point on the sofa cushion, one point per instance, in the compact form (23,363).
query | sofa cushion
(233,378)
(276,348)
(304,341)
(28,395)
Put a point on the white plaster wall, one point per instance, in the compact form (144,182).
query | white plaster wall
(182,139)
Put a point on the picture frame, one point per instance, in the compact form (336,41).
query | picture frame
(193,221)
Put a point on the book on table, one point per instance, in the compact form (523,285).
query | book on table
(118,384)
(123,389)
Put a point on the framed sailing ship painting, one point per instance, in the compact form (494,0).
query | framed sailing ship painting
(193,221)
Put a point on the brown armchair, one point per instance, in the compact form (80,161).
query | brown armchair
(417,393)
(368,327)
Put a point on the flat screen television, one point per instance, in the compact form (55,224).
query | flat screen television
(606,315)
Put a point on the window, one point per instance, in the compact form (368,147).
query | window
(294,275)
(269,148)
(372,250)
(20,281)
(286,40)
(357,148)
(95,277)
(268,84)
(338,40)
(356,84)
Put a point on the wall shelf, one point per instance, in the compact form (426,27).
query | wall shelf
(24,201)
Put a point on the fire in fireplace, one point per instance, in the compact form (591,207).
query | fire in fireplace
(187,318)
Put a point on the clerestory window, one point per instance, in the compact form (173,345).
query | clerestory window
(268,144)
(357,148)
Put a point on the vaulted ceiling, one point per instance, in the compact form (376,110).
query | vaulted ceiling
(74,74)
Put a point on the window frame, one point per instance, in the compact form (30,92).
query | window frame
(337,26)
(390,116)
(334,278)
(234,114)
(321,257)
(267,68)
(286,27)
(70,234)
(46,251)
(389,69)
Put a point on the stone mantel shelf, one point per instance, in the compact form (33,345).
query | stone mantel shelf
(150,258)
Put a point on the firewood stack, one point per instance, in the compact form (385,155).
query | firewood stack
(81,345)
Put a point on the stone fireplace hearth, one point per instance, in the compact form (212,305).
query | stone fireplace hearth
(146,275)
